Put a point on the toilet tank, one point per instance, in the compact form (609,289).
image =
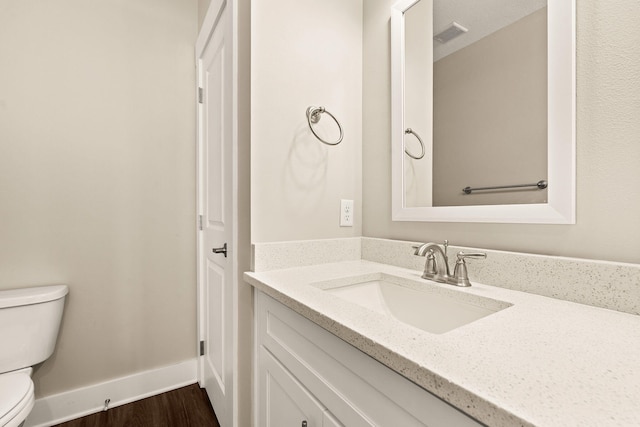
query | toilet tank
(29,324)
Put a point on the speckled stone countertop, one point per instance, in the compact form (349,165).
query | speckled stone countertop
(540,362)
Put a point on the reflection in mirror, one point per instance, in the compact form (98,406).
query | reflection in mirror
(489,72)
(477,90)
(418,101)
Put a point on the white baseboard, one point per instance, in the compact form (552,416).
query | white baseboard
(58,408)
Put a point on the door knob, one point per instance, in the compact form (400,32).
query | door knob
(222,250)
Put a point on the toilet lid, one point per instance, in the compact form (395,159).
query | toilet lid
(15,392)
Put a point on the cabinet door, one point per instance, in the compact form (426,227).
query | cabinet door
(284,401)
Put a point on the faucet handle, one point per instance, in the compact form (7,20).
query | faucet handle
(478,255)
(430,264)
(460,275)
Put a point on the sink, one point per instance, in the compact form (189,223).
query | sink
(422,304)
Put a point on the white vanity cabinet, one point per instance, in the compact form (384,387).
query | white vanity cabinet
(306,374)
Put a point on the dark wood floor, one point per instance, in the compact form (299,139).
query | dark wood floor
(186,406)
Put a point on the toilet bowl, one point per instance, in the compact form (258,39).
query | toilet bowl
(16,398)
(30,320)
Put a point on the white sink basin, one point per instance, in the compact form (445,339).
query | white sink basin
(421,304)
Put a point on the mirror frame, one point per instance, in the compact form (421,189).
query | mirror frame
(561,140)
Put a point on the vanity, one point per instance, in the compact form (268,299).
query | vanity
(305,374)
(327,359)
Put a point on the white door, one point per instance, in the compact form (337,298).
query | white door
(216,276)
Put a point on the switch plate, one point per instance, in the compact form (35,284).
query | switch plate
(346,213)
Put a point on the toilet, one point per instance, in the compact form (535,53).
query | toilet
(29,324)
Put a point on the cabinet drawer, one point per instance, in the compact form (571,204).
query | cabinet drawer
(358,390)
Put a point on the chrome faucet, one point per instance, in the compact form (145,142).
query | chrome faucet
(438,269)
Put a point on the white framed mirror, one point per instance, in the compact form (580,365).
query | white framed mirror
(458,147)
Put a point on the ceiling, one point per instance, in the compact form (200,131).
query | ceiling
(480,17)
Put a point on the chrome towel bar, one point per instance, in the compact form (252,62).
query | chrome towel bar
(314,116)
(542,184)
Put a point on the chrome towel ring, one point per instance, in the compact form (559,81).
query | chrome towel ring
(314,116)
(411,131)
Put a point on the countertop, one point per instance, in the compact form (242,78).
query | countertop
(540,362)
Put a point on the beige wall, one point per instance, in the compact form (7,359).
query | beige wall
(304,53)
(97,129)
(608,153)
(245,291)
(490,116)
(203,6)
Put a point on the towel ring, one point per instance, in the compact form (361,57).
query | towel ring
(313,117)
(411,131)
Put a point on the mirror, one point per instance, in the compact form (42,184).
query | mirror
(483,96)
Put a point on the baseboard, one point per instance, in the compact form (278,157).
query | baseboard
(58,408)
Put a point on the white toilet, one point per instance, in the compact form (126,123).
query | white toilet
(29,323)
